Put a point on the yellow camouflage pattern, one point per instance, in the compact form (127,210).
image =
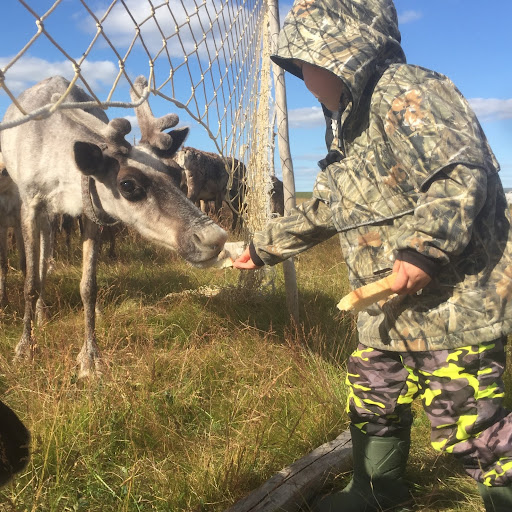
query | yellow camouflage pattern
(462,394)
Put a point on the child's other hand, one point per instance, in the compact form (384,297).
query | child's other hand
(409,278)
(245,262)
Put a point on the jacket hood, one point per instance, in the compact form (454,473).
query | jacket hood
(354,39)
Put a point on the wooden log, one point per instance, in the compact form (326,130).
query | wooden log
(294,486)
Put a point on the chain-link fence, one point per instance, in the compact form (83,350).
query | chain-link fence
(203,56)
(206,60)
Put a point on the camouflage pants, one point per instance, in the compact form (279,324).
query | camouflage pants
(461,391)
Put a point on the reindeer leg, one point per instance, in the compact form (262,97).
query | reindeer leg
(4,267)
(218,202)
(47,237)
(4,261)
(233,200)
(111,235)
(18,236)
(89,359)
(234,220)
(67,226)
(30,229)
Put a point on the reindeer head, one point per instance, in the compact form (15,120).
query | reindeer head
(138,185)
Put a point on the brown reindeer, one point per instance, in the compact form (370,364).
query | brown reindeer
(209,177)
(237,190)
(277,197)
(206,176)
(76,161)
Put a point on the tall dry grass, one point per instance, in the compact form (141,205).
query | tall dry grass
(203,398)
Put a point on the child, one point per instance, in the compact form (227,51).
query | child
(412,187)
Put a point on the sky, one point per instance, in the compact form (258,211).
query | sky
(470,41)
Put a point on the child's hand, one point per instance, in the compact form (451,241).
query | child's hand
(409,278)
(245,262)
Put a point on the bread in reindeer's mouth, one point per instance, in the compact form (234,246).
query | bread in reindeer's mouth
(363,297)
(231,251)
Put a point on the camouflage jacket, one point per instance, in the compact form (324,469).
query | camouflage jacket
(415,174)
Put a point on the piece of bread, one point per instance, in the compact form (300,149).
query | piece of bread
(223,263)
(231,251)
(365,296)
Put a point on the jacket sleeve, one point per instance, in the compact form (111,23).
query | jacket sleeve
(442,224)
(307,225)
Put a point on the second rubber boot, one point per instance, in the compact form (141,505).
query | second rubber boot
(496,499)
(378,480)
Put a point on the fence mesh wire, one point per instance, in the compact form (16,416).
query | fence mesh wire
(203,56)
(208,58)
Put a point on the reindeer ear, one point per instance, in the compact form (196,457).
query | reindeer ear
(178,138)
(91,161)
(88,157)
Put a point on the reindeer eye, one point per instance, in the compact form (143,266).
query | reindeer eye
(131,190)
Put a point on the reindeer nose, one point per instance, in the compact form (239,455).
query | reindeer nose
(212,238)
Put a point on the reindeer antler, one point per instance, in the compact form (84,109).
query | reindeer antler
(116,131)
(151,128)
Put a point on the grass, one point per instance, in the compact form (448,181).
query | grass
(203,397)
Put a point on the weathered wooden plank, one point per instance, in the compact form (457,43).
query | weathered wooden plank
(295,485)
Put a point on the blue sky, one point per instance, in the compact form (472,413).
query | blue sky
(468,40)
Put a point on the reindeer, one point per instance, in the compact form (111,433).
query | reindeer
(277,197)
(206,176)
(77,162)
(236,194)
(206,179)
(10,206)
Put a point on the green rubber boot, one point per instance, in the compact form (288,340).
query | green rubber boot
(496,499)
(377,483)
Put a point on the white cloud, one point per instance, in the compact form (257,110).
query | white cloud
(307,117)
(491,109)
(29,70)
(409,16)
(133,121)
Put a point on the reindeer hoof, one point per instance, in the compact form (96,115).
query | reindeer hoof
(25,350)
(90,366)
